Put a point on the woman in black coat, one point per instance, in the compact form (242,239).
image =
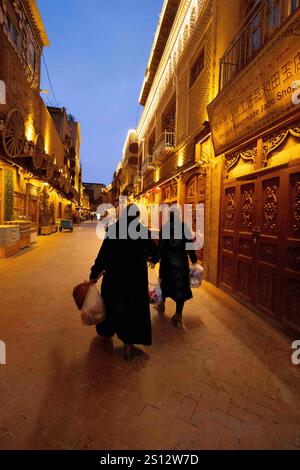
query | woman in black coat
(125,282)
(174,265)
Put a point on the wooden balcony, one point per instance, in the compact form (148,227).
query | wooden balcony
(148,164)
(262,22)
(165,145)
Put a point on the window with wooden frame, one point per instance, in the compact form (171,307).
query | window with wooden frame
(197,67)
(169,116)
(13,31)
(31,56)
(294,4)
(151,142)
(273,15)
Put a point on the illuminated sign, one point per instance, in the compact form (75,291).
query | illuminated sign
(266,91)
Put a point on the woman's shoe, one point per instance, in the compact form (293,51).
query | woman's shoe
(128,351)
(177,321)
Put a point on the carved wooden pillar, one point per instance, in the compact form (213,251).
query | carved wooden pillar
(260,154)
(181,199)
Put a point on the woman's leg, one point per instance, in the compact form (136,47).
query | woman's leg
(179,307)
(177,318)
(128,351)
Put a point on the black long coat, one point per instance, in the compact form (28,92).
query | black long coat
(125,286)
(174,264)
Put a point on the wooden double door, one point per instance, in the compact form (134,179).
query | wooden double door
(260,243)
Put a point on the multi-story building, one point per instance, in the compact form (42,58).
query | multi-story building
(85,207)
(97,194)
(175,147)
(255,123)
(114,189)
(39,169)
(69,132)
(127,175)
(220,130)
(129,164)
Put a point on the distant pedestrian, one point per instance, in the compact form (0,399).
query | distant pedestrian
(123,260)
(174,265)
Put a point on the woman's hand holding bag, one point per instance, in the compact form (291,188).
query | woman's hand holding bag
(155,293)
(89,301)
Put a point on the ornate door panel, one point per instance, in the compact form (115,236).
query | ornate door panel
(260,243)
(291,266)
(268,238)
(228,239)
(245,241)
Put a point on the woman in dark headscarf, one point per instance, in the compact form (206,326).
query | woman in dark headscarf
(123,259)
(174,265)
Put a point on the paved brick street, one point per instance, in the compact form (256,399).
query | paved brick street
(226,382)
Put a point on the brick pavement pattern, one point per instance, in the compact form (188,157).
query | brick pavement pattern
(225,382)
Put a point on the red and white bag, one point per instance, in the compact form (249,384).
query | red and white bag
(196,275)
(155,293)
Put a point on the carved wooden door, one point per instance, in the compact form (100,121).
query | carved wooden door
(260,243)
(246,241)
(228,235)
(237,250)
(268,237)
(33,209)
(291,263)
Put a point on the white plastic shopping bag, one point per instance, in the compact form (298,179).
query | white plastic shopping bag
(155,294)
(196,275)
(93,309)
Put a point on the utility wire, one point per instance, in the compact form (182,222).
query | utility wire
(47,71)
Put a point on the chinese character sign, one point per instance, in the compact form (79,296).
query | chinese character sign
(267,90)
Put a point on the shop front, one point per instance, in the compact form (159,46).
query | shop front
(255,123)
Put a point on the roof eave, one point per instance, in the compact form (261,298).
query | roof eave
(166,21)
(38,22)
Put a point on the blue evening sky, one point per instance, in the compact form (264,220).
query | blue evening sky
(97,60)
